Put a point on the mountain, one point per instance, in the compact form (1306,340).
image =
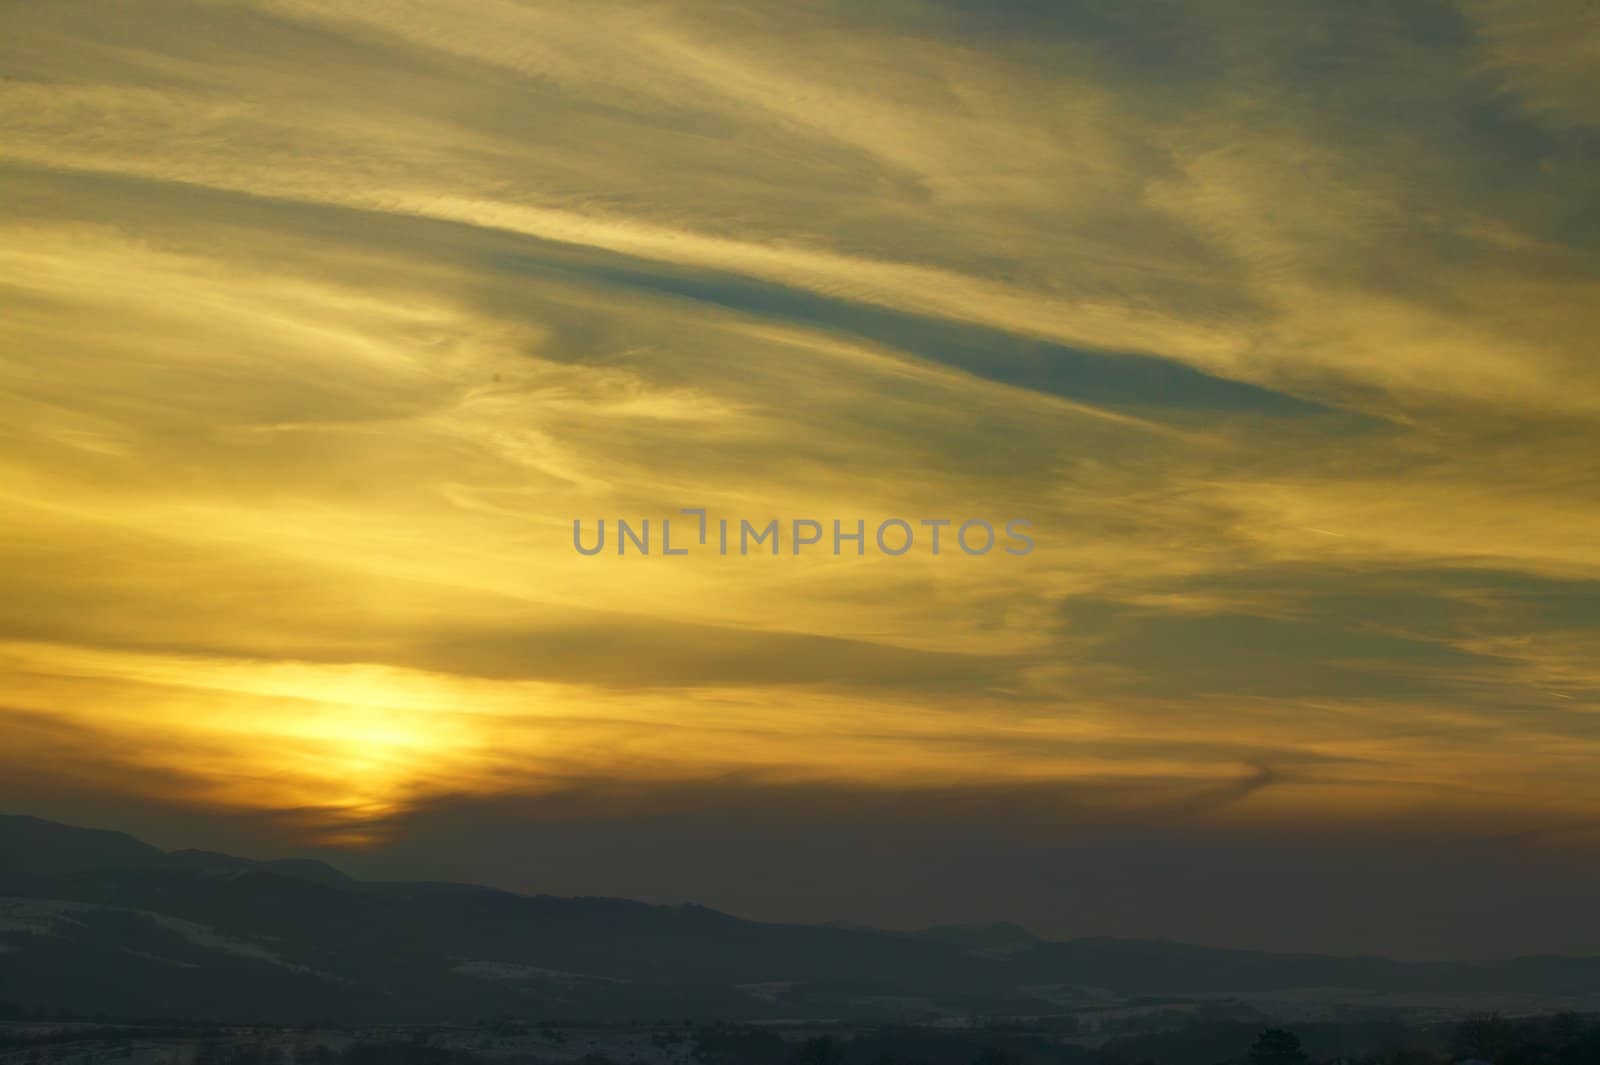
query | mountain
(97,922)
(996,940)
(30,846)
(34,847)
(227,864)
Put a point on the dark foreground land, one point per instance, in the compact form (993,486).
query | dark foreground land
(1153,1039)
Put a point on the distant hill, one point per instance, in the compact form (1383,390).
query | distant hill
(996,940)
(32,846)
(96,922)
(227,864)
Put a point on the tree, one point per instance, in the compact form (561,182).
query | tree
(821,1050)
(1277,1046)
(1488,1036)
(996,1056)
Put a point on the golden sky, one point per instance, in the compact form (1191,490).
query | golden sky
(321,320)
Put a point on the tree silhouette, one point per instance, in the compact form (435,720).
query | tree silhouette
(821,1050)
(996,1056)
(1485,1035)
(1277,1046)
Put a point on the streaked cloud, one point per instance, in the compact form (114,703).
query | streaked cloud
(322,321)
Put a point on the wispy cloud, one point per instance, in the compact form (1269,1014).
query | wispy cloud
(322,321)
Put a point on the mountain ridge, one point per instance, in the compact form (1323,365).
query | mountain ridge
(99,922)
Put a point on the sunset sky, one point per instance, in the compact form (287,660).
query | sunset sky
(322,320)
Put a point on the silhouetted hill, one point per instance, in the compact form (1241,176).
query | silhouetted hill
(227,864)
(996,940)
(97,922)
(30,845)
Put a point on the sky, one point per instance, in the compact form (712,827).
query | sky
(321,321)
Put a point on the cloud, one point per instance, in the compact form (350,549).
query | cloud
(1545,53)
(324,320)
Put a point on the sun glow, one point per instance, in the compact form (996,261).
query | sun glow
(305,378)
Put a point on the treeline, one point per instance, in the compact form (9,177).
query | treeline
(73,1045)
(1563,1039)
(361,1052)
